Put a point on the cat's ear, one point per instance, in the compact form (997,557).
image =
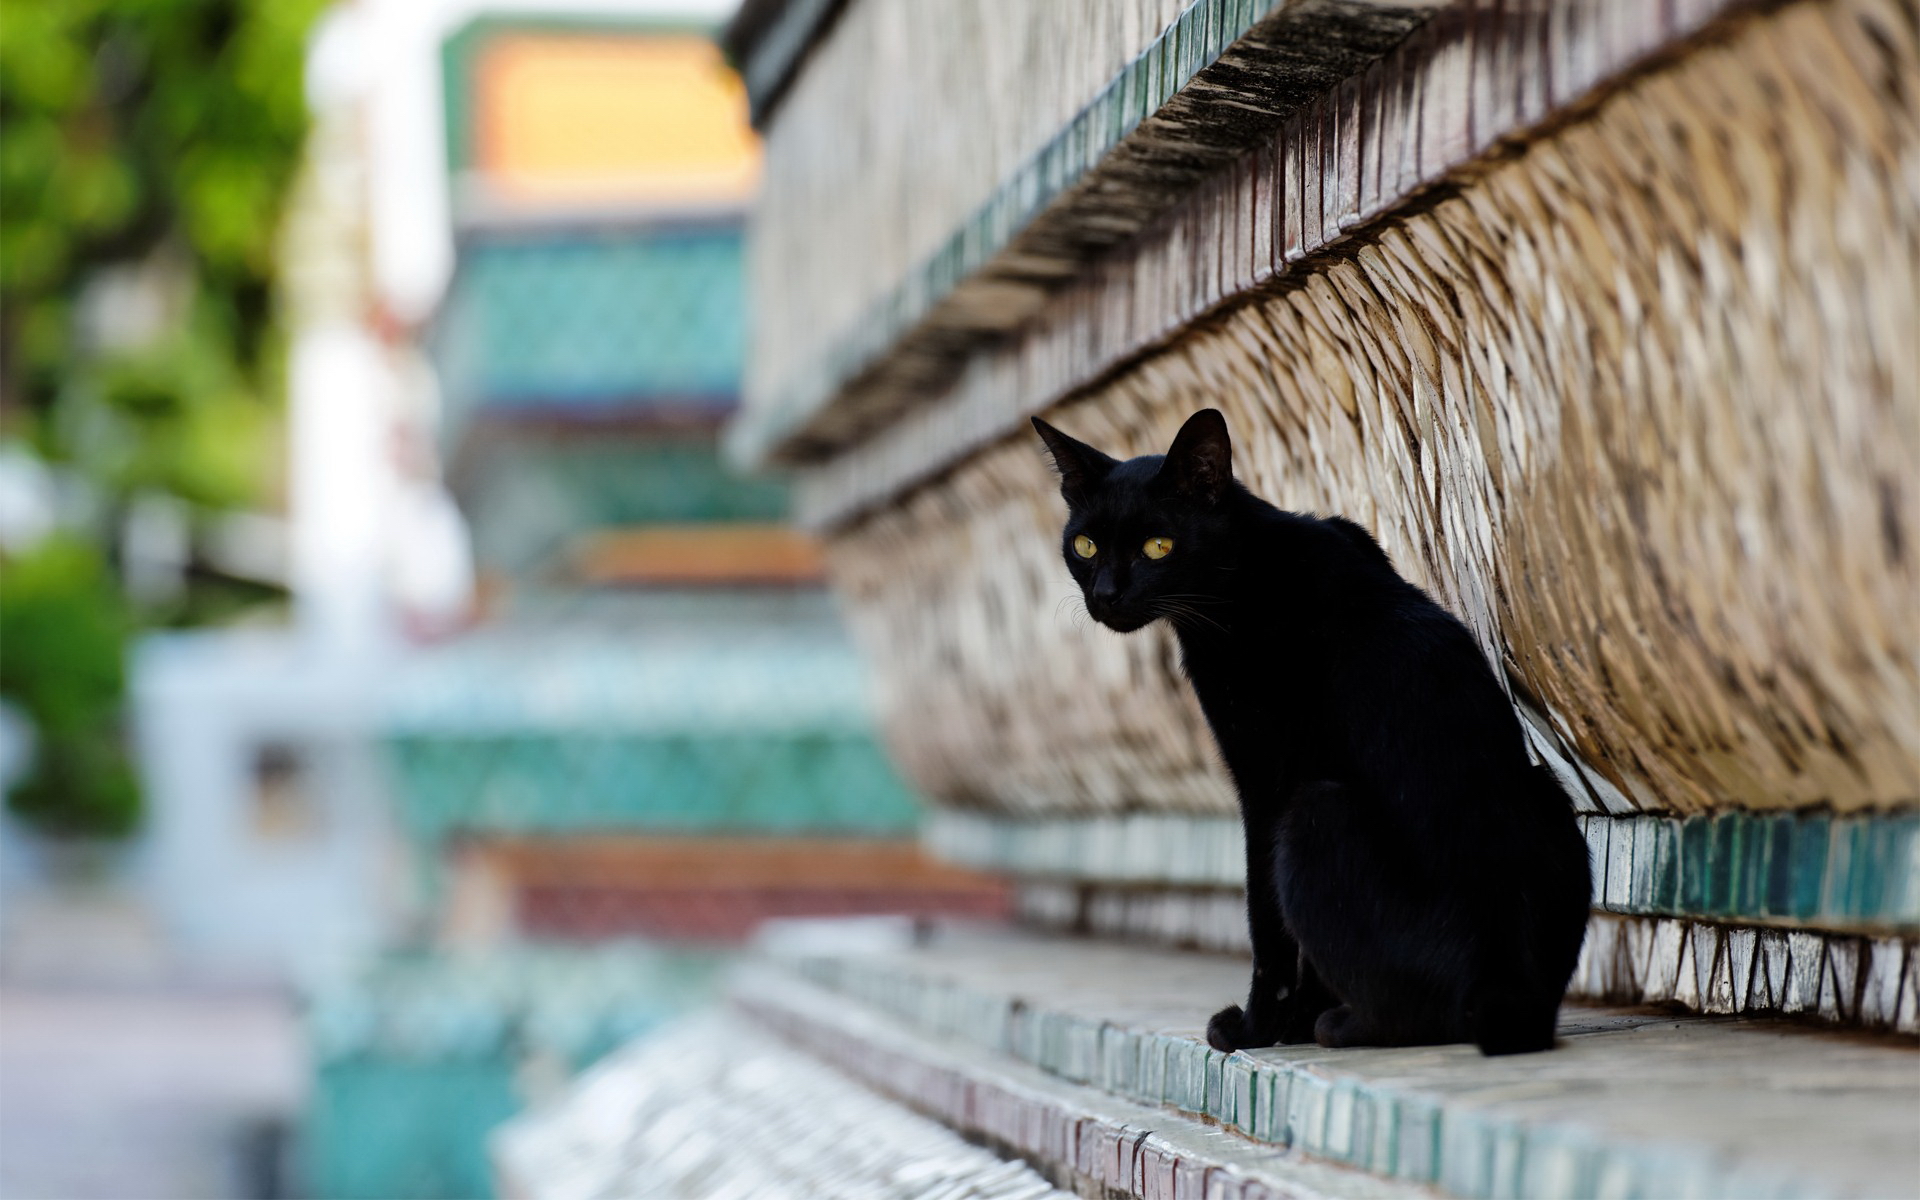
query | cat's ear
(1200,463)
(1081,467)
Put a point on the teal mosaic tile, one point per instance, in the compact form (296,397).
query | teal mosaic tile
(1338,1141)
(1150,1078)
(1810,847)
(1024,1039)
(1119,1061)
(1879,851)
(1214,1093)
(1269,1105)
(1780,832)
(1357,1140)
(1903,895)
(572,781)
(1695,850)
(1725,847)
(1178,1087)
(1507,1167)
(1616,1178)
(1557,1162)
(1416,1139)
(1891,844)
(1383,1134)
(1665,866)
(1241,1096)
(1749,891)
(1466,1152)
(1079,1050)
(620,316)
(1307,1100)
(1738,867)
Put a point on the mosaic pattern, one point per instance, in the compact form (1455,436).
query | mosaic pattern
(1814,869)
(1801,869)
(1097,1143)
(561,783)
(587,321)
(702,712)
(1728,1100)
(416,1057)
(1704,966)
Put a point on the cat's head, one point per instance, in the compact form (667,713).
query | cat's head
(1147,538)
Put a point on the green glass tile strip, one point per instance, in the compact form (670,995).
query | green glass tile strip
(1815,869)
(556,782)
(378,1128)
(585,321)
(416,1056)
(1290,54)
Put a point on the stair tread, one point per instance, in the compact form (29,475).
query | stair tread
(705,1108)
(1706,1105)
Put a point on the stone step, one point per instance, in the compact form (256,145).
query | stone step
(1093,1142)
(711,1107)
(705,1108)
(1632,1102)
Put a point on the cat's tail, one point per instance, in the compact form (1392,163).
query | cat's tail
(1512,1022)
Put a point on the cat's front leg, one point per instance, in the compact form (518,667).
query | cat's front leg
(1276,1014)
(1285,996)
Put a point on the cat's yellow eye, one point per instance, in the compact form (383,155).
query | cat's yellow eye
(1157,547)
(1083,546)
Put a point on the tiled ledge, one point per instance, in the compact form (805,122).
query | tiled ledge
(1475,74)
(1224,73)
(1705,966)
(1631,1103)
(1088,1140)
(1788,869)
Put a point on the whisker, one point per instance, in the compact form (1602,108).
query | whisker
(1175,611)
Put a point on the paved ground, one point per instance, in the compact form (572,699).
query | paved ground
(142,1095)
(120,1080)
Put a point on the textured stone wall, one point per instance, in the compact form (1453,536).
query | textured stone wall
(1639,401)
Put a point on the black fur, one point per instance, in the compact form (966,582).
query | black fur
(1412,877)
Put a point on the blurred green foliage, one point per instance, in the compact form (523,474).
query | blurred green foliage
(62,625)
(151,140)
(136,128)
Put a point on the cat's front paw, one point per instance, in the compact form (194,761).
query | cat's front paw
(1230,1030)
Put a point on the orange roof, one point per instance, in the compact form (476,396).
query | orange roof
(571,117)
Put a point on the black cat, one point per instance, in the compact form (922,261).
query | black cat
(1412,877)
